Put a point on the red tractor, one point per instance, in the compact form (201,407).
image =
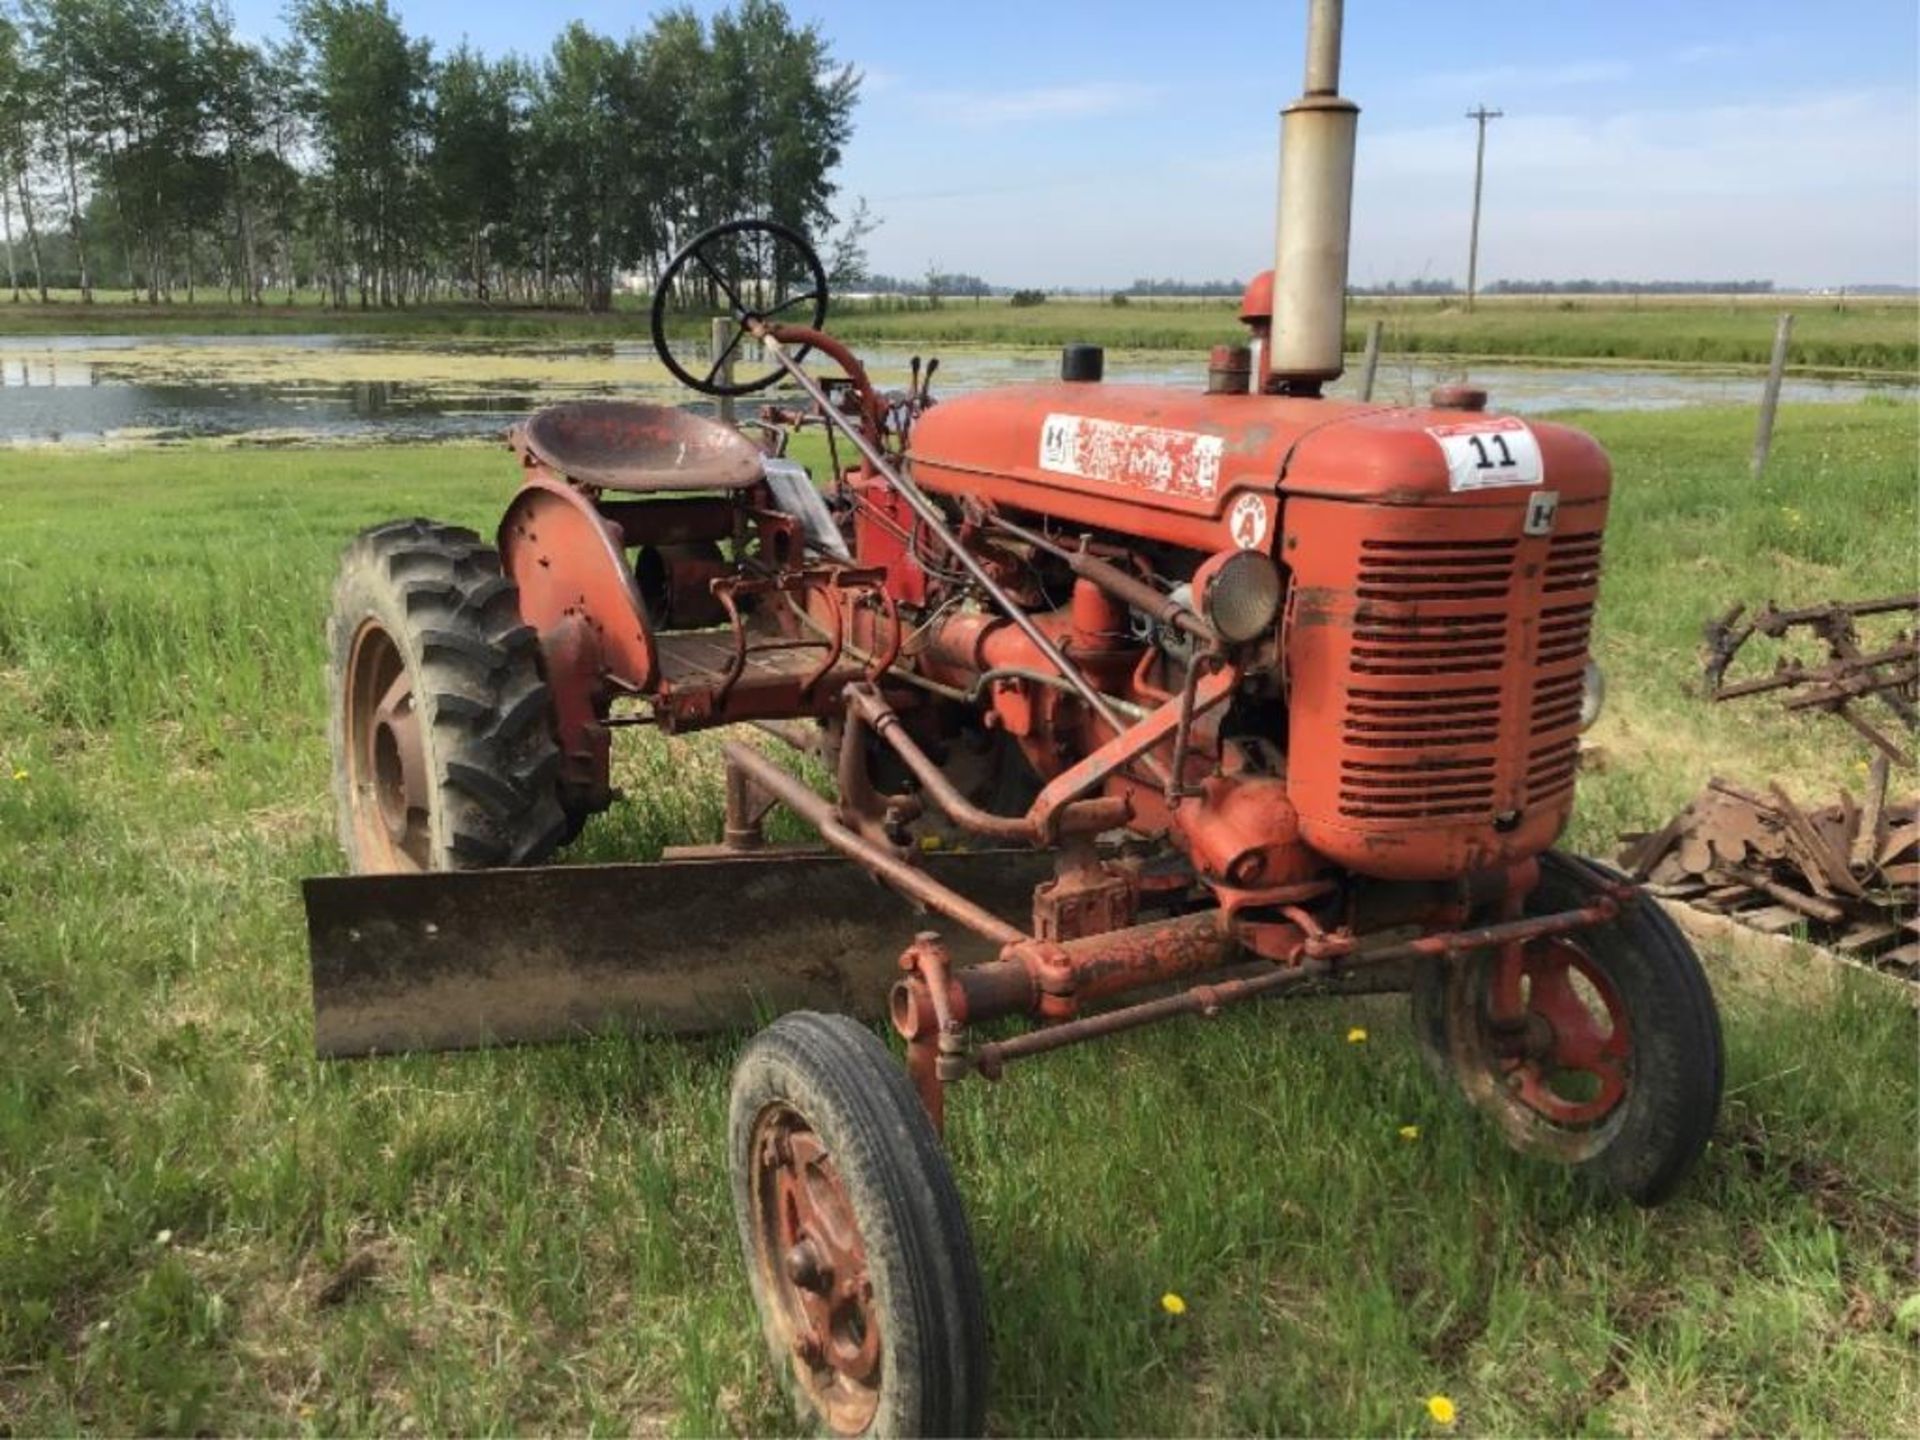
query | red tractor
(1232,692)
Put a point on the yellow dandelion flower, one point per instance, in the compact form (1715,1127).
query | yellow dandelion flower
(1409,1132)
(1173,1304)
(1357,1035)
(19,774)
(1440,1410)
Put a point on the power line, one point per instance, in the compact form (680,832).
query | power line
(1482,115)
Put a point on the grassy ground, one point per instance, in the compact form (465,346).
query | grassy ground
(1854,335)
(201,1229)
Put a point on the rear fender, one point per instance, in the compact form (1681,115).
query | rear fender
(572,573)
(579,594)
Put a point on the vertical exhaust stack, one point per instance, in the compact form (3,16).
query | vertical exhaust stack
(1317,134)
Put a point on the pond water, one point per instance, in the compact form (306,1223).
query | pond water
(321,389)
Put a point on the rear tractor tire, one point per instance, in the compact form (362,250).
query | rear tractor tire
(443,751)
(1617,1070)
(857,1247)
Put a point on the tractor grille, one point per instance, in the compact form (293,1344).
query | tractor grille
(1428,675)
(1433,658)
(1566,626)
(1433,616)
(1573,563)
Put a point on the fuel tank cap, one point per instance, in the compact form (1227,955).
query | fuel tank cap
(1082,362)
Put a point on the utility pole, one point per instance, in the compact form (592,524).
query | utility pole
(1482,115)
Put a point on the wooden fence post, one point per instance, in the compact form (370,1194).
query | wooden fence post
(1370,366)
(1770,397)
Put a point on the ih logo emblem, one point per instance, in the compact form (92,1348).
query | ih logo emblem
(1542,506)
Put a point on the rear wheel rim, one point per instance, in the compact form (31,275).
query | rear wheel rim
(386,755)
(813,1261)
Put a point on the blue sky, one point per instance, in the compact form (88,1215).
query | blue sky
(1054,143)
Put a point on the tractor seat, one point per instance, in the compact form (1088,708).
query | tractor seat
(624,445)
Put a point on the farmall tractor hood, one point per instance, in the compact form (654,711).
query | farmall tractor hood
(1213,467)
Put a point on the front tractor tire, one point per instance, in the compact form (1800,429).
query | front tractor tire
(443,751)
(857,1247)
(1617,1068)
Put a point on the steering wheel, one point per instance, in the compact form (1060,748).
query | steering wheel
(755,268)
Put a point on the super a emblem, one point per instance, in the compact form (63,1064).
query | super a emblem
(1247,522)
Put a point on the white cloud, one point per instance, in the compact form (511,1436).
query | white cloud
(1818,187)
(877,80)
(982,108)
(1492,80)
(1808,189)
(1710,53)
(1525,77)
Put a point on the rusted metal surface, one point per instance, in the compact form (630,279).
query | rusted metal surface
(910,880)
(1458,397)
(624,445)
(1552,1074)
(937,525)
(1136,459)
(1848,874)
(1200,947)
(1313,230)
(1886,670)
(1087,895)
(814,1265)
(1229,370)
(1560,1018)
(461,960)
(1034,571)
(567,563)
(671,519)
(1130,744)
(1437,661)
(385,761)
(867,711)
(991,1059)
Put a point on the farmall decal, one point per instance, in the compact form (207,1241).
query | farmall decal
(1247,522)
(1167,462)
(1483,454)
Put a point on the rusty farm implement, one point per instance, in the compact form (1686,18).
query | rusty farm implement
(1229,692)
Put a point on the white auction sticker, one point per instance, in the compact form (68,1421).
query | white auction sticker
(1148,457)
(1485,453)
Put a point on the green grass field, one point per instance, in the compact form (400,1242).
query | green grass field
(201,1229)
(1881,336)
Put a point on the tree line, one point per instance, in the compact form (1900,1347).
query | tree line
(145,146)
(1631,287)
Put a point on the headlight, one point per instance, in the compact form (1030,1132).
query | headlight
(1593,695)
(1239,594)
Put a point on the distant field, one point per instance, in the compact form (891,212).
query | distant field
(203,1230)
(1857,335)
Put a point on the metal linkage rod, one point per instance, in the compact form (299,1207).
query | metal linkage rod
(915,884)
(930,516)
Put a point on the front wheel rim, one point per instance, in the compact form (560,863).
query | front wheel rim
(1576,1049)
(1545,1041)
(814,1270)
